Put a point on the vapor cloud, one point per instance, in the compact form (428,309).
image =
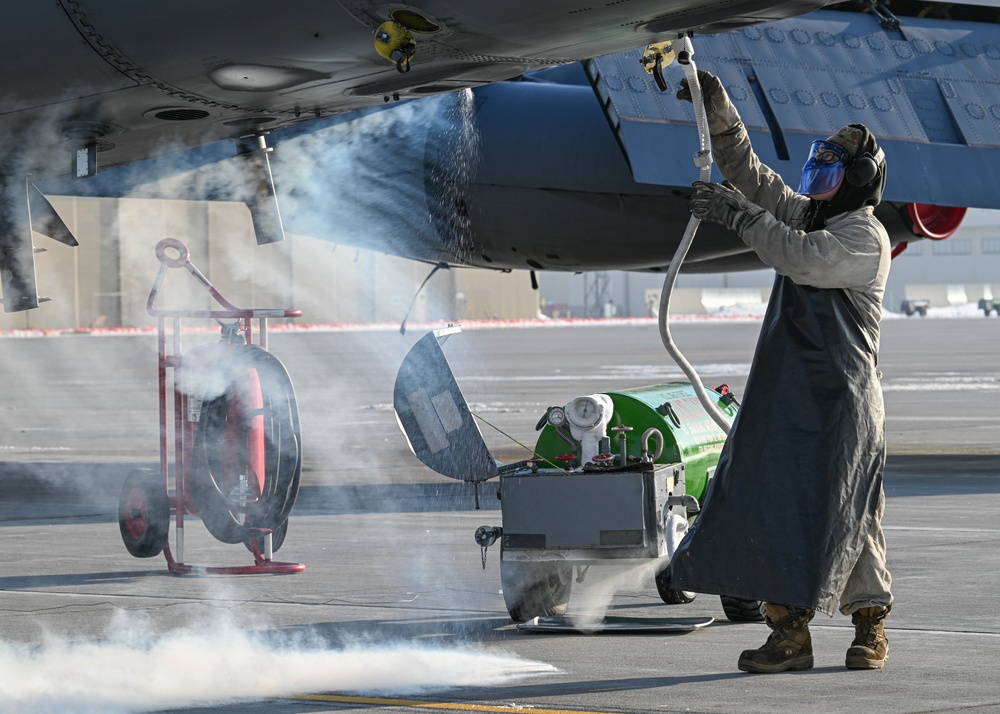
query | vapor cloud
(131,672)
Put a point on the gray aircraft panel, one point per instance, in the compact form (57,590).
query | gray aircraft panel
(933,87)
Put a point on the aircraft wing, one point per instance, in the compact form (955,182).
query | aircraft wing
(929,90)
(90,84)
(928,87)
(574,172)
(138,80)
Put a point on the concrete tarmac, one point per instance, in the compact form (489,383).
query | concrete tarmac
(395,611)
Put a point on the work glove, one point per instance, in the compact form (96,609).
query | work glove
(722,115)
(723,203)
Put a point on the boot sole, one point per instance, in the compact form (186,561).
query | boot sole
(864,663)
(796,663)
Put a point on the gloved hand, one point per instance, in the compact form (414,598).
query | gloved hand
(723,203)
(722,115)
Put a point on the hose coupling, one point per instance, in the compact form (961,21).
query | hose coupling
(703,158)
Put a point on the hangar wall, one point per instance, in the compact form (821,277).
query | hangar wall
(105,281)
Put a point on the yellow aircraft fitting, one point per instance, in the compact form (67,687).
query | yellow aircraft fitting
(396,44)
(654,58)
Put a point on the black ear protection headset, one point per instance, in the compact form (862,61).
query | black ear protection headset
(864,169)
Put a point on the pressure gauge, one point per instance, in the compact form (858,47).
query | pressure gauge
(556,416)
(584,412)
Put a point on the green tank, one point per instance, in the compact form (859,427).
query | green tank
(690,436)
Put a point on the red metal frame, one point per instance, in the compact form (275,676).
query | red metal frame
(180,502)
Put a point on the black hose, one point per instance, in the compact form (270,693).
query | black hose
(210,483)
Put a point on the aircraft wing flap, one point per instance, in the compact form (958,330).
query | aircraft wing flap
(961,60)
(839,100)
(970,103)
(933,89)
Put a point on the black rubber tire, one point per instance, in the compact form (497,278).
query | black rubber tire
(221,517)
(535,589)
(739,610)
(144,513)
(670,594)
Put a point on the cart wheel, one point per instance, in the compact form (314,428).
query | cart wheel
(670,594)
(535,589)
(739,610)
(144,513)
(277,538)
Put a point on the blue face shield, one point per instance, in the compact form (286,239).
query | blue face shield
(824,169)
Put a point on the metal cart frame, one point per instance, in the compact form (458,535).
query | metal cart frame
(173,253)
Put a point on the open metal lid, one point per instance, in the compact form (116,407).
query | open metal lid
(434,416)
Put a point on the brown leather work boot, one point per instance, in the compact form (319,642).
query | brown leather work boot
(789,645)
(870,648)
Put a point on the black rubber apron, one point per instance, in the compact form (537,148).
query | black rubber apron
(798,480)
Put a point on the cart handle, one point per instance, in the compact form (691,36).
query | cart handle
(172,253)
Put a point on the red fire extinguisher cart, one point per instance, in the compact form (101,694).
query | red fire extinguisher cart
(236,442)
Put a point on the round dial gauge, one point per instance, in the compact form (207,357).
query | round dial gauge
(556,416)
(584,412)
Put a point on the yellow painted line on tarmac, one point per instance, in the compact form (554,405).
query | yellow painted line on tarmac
(454,706)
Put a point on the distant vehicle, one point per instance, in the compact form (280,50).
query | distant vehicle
(919,307)
(990,304)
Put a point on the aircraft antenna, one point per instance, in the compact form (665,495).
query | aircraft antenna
(402,325)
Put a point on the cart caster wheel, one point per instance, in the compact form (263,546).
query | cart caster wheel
(670,594)
(535,589)
(277,538)
(739,610)
(144,513)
